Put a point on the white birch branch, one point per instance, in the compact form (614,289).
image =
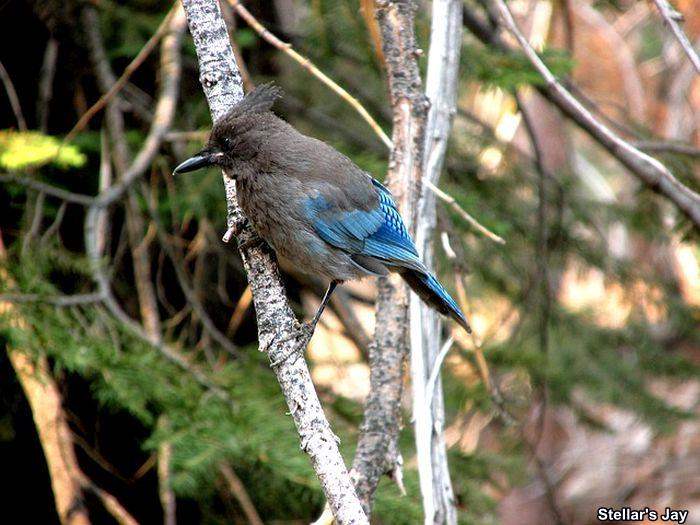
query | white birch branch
(428,403)
(222,86)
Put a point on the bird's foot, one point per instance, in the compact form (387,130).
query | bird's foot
(302,334)
(251,242)
(235,230)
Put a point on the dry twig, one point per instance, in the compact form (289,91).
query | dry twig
(237,488)
(672,17)
(310,67)
(452,203)
(647,169)
(14,99)
(119,83)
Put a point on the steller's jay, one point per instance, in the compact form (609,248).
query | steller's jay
(313,205)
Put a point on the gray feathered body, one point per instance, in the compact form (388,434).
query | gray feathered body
(313,205)
(286,169)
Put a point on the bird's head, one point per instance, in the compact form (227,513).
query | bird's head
(230,137)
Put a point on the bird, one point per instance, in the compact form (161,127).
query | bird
(313,205)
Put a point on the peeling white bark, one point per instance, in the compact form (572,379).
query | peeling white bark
(222,85)
(428,405)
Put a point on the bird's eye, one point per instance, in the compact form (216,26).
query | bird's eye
(228,143)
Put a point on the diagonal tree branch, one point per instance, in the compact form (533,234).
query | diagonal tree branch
(672,17)
(45,401)
(117,84)
(222,85)
(648,170)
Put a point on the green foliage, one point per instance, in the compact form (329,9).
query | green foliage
(510,71)
(20,150)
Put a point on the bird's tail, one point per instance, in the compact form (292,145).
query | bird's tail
(429,289)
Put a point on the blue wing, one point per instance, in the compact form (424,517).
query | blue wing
(378,232)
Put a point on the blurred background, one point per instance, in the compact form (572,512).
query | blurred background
(579,387)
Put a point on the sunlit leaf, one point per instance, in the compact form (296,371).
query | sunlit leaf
(23,149)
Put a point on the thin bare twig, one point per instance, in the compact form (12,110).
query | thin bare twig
(239,311)
(435,371)
(647,169)
(37,218)
(340,302)
(109,502)
(56,224)
(13,98)
(138,60)
(46,78)
(660,146)
(237,488)
(452,203)
(54,191)
(672,17)
(310,67)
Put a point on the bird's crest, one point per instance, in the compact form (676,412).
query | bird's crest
(259,100)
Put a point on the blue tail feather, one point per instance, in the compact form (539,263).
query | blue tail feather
(434,294)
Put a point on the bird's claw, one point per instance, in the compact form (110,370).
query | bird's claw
(252,241)
(302,332)
(235,229)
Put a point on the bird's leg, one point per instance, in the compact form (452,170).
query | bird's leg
(324,302)
(305,332)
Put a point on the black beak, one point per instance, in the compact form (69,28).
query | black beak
(198,161)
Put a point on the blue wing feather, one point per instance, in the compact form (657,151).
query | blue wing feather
(378,232)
